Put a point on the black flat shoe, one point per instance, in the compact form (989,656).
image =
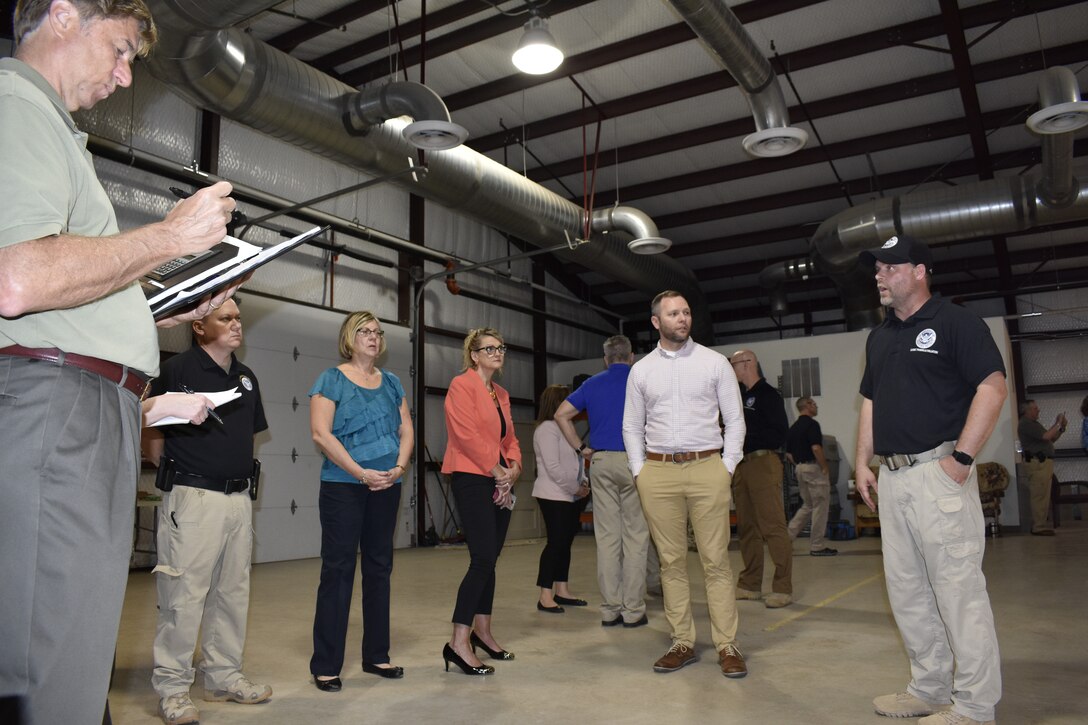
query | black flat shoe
(550,610)
(332,685)
(448,655)
(390,673)
(496,654)
(571,602)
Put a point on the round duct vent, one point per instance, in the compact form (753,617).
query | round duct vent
(434,135)
(649,245)
(1059,118)
(775,141)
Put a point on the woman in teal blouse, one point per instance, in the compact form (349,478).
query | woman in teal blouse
(359,419)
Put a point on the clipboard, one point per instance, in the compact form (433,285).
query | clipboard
(243,258)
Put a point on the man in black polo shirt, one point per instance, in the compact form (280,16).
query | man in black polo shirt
(757,487)
(205,537)
(933,386)
(805,449)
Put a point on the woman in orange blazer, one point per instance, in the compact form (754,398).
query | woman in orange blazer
(484,461)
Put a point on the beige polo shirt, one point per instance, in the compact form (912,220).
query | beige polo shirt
(49,187)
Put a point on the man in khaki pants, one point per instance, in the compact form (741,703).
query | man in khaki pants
(1038,445)
(932,389)
(682,464)
(618,524)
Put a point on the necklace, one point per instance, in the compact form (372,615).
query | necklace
(495,398)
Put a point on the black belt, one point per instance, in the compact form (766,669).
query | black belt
(756,454)
(1040,457)
(221,485)
(131,380)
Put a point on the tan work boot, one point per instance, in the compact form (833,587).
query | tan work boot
(178,709)
(904,704)
(776,600)
(952,718)
(748,594)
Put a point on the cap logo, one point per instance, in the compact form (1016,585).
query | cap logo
(890,243)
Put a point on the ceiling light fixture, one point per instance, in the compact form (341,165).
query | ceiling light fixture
(537,52)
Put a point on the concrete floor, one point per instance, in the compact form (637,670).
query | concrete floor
(819,661)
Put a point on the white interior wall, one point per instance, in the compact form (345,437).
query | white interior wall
(842,360)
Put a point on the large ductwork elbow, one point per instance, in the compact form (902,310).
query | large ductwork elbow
(724,36)
(227,71)
(947,214)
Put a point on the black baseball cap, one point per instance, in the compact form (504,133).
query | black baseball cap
(900,249)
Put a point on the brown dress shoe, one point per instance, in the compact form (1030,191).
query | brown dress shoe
(676,658)
(732,662)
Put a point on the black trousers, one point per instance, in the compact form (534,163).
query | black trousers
(561,522)
(485,526)
(353,517)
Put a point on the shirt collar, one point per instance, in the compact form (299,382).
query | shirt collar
(35,78)
(685,351)
(927,311)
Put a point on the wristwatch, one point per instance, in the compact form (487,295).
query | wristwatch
(962,458)
(581,447)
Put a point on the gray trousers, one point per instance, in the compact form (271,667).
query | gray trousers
(622,537)
(69,460)
(933,537)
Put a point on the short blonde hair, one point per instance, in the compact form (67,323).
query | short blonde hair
(473,336)
(350,328)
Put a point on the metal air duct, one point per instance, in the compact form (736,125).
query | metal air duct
(231,73)
(945,214)
(726,39)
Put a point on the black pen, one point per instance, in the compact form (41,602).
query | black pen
(236,217)
(212,413)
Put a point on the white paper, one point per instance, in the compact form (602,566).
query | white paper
(224,396)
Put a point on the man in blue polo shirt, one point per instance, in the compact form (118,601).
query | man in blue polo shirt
(618,524)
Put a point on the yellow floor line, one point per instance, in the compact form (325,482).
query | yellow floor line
(824,603)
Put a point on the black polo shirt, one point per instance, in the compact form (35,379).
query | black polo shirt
(211,449)
(764,417)
(922,374)
(802,436)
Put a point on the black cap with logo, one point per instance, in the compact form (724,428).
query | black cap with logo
(900,249)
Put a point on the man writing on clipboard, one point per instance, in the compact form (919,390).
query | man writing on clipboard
(77,346)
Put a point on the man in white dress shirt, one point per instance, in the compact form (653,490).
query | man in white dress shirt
(683,463)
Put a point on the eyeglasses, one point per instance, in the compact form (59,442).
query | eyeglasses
(491,350)
(370,333)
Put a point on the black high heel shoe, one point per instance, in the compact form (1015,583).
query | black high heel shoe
(448,655)
(496,654)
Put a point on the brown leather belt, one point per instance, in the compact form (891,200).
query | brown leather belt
(131,380)
(682,457)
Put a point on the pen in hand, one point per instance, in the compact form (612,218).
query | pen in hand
(236,217)
(211,413)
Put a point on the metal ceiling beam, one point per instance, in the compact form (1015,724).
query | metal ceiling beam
(1025,157)
(836,105)
(725,300)
(328,23)
(806,58)
(437,45)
